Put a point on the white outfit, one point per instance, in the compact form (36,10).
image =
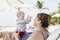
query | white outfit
(21,24)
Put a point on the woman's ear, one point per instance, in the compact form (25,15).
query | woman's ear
(40,21)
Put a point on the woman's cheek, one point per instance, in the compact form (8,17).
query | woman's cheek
(35,23)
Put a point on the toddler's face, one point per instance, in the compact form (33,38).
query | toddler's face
(20,15)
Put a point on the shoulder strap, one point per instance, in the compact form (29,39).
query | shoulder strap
(43,35)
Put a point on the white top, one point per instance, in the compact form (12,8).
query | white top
(21,24)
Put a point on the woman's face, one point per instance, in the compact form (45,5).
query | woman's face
(36,21)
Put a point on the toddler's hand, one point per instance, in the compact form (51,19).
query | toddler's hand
(29,28)
(30,17)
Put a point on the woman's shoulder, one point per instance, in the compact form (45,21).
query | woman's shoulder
(36,36)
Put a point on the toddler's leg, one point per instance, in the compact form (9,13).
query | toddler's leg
(15,36)
(1,38)
(26,34)
(19,37)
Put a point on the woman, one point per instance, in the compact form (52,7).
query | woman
(41,23)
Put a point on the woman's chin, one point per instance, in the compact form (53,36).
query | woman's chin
(34,25)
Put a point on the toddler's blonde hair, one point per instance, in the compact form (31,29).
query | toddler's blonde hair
(19,13)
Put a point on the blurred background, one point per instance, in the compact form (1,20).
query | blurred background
(8,10)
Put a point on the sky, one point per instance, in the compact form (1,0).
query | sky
(8,14)
(51,4)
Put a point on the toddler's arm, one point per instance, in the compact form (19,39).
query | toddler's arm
(28,19)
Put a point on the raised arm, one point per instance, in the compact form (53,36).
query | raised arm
(28,19)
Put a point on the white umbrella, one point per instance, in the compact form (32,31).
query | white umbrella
(56,15)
